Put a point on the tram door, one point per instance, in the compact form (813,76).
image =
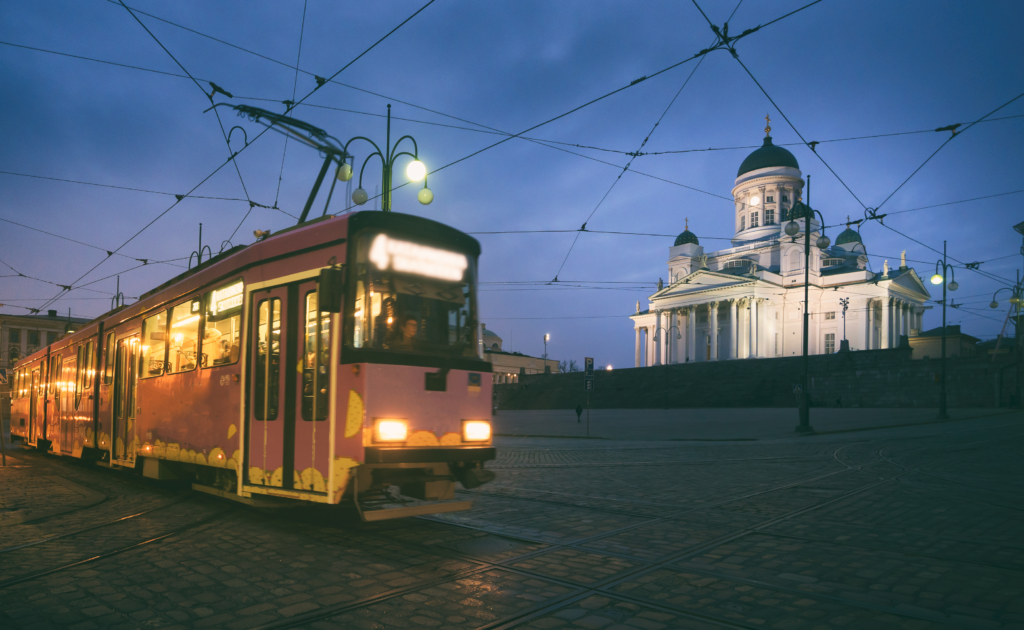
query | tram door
(287,443)
(126,375)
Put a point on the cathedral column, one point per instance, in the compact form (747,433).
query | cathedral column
(733,328)
(677,354)
(906,318)
(869,320)
(658,338)
(713,329)
(897,322)
(753,328)
(691,338)
(886,316)
(763,328)
(638,348)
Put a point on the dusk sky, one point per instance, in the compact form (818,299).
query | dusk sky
(837,70)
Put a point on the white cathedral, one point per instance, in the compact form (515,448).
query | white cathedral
(747,301)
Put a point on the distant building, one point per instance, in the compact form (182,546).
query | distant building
(929,344)
(21,335)
(508,366)
(746,301)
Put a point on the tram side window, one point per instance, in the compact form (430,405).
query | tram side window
(154,345)
(268,360)
(223,332)
(315,359)
(53,384)
(83,379)
(184,341)
(108,360)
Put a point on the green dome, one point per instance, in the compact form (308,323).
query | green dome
(849,236)
(768,155)
(800,210)
(686,237)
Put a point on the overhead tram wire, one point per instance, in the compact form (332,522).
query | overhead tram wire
(144,261)
(259,135)
(635,82)
(216,113)
(626,167)
(295,86)
(485,129)
(634,155)
(953,134)
(28,277)
(154,192)
(482,128)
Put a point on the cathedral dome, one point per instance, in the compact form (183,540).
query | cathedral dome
(766,156)
(800,210)
(687,237)
(848,236)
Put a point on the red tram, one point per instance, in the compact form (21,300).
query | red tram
(331,361)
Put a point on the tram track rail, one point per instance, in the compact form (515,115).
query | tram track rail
(93,527)
(114,552)
(548,546)
(603,587)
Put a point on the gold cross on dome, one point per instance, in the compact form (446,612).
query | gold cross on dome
(687,224)
(768,128)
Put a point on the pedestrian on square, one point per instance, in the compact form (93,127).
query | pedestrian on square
(579,412)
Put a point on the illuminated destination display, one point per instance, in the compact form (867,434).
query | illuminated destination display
(227,298)
(405,257)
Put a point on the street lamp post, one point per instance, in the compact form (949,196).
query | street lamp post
(547,337)
(668,331)
(792,229)
(845,303)
(416,170)
(1016,297)
(940,278)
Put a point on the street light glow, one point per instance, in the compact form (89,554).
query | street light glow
(416,170)
(937,279)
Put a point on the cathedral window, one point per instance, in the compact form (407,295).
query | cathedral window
(769,199)
(753,219)
(830,343)
(743,221)
(769,216)
(782,215)
(830,315)
(785,198)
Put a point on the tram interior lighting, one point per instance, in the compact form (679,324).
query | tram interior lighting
(476,430)
(391,430)
(405,257)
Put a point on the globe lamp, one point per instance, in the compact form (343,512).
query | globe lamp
(345,172)
(425,196)
(937,279)
(416,170)
(359,196)
(792,228)
(823,241)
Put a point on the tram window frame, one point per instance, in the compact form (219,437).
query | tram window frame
(207,318)
(108,358)
(322,360)
(145,371)
(83,377)
(274,380)
(194,305)
(56,363)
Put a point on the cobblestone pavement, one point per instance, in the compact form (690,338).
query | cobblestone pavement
(906,527)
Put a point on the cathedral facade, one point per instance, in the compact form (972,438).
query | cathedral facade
(747,301)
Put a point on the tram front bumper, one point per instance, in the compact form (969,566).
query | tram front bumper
(425,473)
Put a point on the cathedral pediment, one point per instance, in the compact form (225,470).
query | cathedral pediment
(908,280)
(703,280)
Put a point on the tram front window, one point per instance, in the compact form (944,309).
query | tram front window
(412,298)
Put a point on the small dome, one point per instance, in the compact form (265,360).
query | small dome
(848,236)
(800,210)
(766,156)
(685,238)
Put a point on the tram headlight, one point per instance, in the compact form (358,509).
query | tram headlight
(391,430)
(476,430)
